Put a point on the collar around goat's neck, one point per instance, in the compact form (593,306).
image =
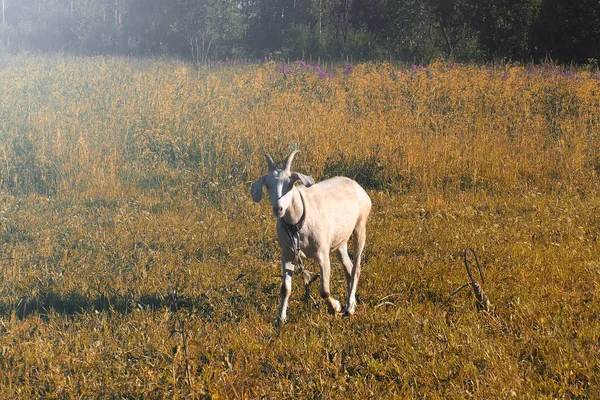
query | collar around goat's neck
(293,229)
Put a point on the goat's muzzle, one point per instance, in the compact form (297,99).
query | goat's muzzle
(278,211)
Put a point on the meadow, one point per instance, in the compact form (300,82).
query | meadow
(134,264)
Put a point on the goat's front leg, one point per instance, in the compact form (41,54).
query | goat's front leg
(287,269)
(333,305)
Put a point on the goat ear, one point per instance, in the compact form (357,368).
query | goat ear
(305,179)
(256,189)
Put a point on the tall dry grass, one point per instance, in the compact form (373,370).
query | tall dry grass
(115,122)
(134,264)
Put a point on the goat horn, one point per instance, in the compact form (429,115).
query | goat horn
(288,162)
(270,162)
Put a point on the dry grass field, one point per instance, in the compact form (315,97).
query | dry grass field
(134,264)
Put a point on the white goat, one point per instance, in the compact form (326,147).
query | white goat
(313,220)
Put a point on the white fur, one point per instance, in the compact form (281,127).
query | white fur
(336,209)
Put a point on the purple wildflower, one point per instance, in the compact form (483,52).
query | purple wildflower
(393,75)
(348,69)
(319,71)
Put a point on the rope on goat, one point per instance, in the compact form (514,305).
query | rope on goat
(308,278)
(483,303)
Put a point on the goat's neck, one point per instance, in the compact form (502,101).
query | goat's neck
(295,210)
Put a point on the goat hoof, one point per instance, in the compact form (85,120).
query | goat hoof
(348,311)
(334,307)
(279,322)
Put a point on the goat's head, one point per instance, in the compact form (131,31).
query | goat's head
(280,184)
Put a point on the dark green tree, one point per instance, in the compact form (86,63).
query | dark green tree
(503,27)
(568,30)
(206,25)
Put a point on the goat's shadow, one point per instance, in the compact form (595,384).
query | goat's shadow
(227,303)
(230,302)
(72,304)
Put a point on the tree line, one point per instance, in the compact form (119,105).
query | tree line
(410,30)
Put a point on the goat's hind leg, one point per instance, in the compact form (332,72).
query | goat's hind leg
(348,267)
(359,237)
